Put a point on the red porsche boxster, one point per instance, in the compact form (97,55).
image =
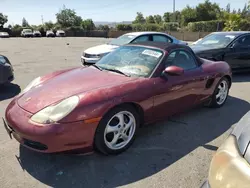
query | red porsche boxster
(102,106)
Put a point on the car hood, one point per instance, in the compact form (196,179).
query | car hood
(101,49)
(242,134)
(201,48)
(73,82)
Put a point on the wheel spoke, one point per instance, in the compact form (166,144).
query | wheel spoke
(218,95)
(124,137)
(115,139)
(129,124)
(111,129)
(121,119)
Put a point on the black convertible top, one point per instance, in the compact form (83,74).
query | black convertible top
(167,47)
(161,45)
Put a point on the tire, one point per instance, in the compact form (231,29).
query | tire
(103,139)
(214,100)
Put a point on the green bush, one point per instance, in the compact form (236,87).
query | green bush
(170,26)
(244,25)
(206,26)
(124,27)
(146,27)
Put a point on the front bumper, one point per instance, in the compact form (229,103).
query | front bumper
(6,74)
(59,137)
(4,36)
(28,35)
(86,61)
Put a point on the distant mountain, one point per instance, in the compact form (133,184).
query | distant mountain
(111,24)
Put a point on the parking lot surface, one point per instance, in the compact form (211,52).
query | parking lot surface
(173,153)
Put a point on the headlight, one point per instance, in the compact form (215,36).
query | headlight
(32,84)
(56,112)
(228,168)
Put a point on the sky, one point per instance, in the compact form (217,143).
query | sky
(97,10)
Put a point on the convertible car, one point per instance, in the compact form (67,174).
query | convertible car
(232,47)
(102,106)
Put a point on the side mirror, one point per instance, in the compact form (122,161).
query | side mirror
(173,71)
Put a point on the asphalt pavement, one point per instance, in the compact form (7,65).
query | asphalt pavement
(174,153)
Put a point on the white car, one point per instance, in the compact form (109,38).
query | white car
(50,33)
(4,35)
(93,54)
(37,34)
(60,33)
(27,33)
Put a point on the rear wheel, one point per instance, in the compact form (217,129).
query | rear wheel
(220,94)
(117,130)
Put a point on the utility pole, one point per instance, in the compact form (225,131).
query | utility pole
(42,19)
(173,6)
(174,10)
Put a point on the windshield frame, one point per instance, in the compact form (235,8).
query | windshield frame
(236,36)
(129,41)
(150,75)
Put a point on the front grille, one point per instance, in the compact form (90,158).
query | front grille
(91,55)
(34,145)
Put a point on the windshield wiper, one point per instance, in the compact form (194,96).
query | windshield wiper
(118,71)
(94,65)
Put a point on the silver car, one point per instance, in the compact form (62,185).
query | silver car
(93,54)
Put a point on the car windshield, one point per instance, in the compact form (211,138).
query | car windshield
(27,31)
(124,39)
(216,40)
(134,61)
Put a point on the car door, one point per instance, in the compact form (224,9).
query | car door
(161,38)
(178,93)
(238,55)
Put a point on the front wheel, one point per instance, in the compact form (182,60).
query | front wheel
(116,131)
(220,94)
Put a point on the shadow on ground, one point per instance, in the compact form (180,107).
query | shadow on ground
(9,91)
(156,147)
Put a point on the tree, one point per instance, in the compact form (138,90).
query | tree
(175,17)
(124,27)
(10,26)
(49,25)
(228,8)
(244,11)
(233,22)
(207,11)
(3,20)
(103,27)
(188,15)
(166,17)
(67,18)
(25,23)
(88,25)
(150,19)
(139,19)
(157,19)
